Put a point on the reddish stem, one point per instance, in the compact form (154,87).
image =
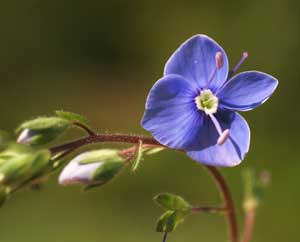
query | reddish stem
(228,202)
(101,138)
(85,128)
(249,225)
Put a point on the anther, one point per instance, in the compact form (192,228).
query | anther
(219,60)
(223,137)
(244,57)
(219,63)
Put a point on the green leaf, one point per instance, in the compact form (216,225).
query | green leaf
(72,117)
(172,202)
(100,155)
(169,221)
(41,130)
(138,158)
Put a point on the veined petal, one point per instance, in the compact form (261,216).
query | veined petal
(195,60)
(233,151)
(247,90)
(171,114)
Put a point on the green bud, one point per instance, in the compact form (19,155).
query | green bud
(106,172)
(169,221)
(172,202)
(17,168)
(92,168)
(42,130)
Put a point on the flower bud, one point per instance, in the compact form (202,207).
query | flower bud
(92,168)
(17,167)
(41,130)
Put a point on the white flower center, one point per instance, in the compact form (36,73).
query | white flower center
(207,102)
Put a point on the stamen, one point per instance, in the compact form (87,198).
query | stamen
(219,60)
(219,63)
(244,57)
(231,72)
(223,135)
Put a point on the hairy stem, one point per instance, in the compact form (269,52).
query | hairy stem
(135,139)
(228,202)
(101,138)
(249,224)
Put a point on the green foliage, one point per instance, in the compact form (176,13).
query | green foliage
(19,164)
(41,130)
(72,117)
(138,158)
(106,155)
(177,209)
(172,202)
(170,220)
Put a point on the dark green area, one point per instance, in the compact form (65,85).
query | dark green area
(100,58)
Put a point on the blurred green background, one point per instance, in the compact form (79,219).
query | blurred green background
(100,58)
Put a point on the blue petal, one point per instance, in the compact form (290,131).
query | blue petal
(233,151)
(171,114)
(195,61)
(247,90)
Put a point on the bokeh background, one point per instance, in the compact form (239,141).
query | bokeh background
(100,58)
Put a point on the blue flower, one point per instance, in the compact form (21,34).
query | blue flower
(193,106)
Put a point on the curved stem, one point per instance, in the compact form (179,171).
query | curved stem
(228,202)
(85,128)
(134,139)
(249,224)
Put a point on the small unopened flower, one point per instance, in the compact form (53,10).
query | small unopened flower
(92,168)
(193,106)
(41,130)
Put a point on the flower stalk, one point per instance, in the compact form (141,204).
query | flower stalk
(135,139)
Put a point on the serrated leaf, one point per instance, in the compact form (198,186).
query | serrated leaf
(172,202)
(138,158)
(169,221)
(72,117)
